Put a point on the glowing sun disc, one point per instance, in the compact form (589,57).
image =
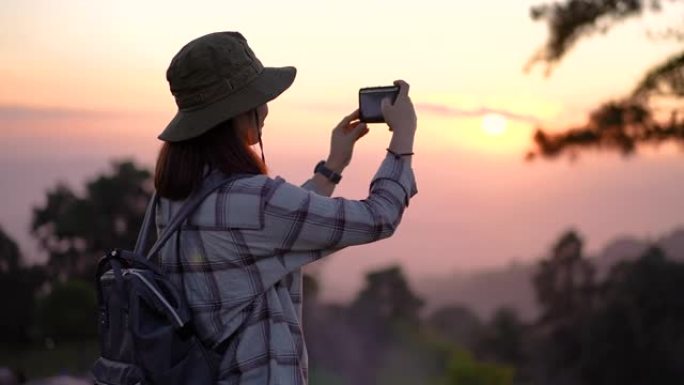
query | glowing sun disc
(494,124)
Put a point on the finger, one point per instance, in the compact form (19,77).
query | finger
(363,133)
(385,106)
(403,88)
(349,118)
(351,126)
(359,129)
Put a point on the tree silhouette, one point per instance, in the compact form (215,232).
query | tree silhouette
(79,323)
(635,334)
(76,231)
(18,286)
(625,329)
(387,298)
(385,307)
(502,340)
(564,281)
(564,287)
(9,253)
(621,125)
(463,370)
(458,325)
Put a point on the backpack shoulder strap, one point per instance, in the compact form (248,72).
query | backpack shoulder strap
(147,225)
(212,182)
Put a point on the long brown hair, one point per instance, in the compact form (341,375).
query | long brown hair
(182,165)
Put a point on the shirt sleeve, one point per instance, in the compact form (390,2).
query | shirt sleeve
(298,220)
(275,228)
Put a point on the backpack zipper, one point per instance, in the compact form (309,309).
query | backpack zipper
(157,293)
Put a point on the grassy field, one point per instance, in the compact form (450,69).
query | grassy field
(74,358)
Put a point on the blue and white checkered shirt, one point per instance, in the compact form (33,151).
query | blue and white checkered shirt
(239,257)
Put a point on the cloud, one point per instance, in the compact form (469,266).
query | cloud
(13,112)
(443,110)
(17,113)
(436,109)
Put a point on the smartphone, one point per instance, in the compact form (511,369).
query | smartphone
(370,99)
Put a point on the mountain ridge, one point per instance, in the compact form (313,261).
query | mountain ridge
(487,290)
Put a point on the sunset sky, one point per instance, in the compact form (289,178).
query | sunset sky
(83,83)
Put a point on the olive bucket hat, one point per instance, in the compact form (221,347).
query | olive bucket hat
(215,78)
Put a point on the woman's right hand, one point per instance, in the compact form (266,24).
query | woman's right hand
(401,118)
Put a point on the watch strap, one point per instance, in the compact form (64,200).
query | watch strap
(332,176)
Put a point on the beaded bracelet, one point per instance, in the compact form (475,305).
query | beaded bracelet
(397,156)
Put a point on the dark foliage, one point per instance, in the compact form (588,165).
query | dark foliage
(386,302)
(68,313)
(76,231)
(387,298)
(458,325)
(571,20)
(564,285)
(635,336)
(666,80)
(502,339)
(623,330)
(10,257)
(18,286)
(368,340)
(622,125)
(564,282)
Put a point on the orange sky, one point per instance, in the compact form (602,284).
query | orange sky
(83,82)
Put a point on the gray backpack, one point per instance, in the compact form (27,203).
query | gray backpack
(145,325)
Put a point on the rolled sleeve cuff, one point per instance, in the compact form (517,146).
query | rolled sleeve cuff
(396,174)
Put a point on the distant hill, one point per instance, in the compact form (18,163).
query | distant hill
(487,290)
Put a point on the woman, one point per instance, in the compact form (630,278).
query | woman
(238,257)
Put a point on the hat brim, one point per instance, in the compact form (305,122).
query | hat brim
(188,124)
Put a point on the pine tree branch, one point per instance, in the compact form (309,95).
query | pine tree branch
(621,126)
(666,79)
(570,20)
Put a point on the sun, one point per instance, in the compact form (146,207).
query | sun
(494,124)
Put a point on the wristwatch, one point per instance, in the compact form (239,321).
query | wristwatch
(328,173)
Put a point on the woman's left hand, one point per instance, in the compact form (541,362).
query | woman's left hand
(342,141)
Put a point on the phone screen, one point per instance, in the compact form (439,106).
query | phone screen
(370,99)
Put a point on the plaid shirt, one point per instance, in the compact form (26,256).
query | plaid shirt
(239,258)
